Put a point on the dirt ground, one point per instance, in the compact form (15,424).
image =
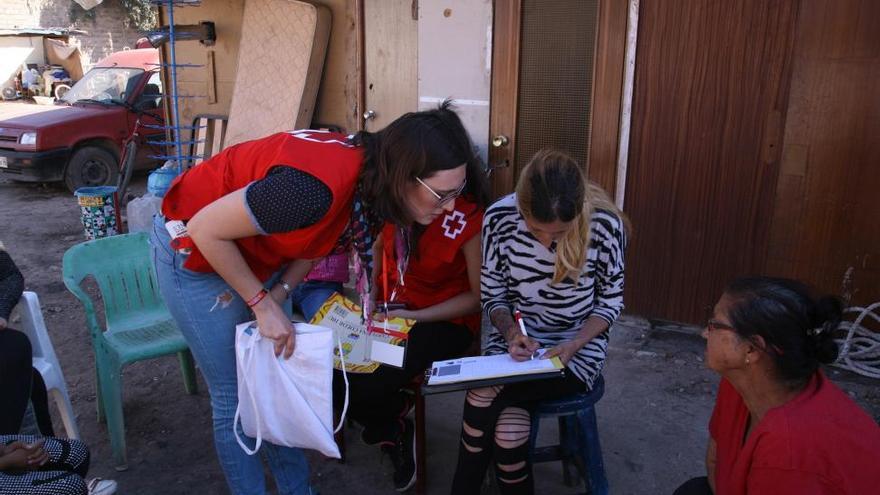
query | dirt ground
(652,419)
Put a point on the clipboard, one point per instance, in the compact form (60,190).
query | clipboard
(480,371)
(428,389)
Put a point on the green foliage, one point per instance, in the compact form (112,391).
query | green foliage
(141,14)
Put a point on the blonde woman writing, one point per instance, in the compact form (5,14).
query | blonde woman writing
(554,252)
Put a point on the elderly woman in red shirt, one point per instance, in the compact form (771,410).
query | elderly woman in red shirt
(779,425)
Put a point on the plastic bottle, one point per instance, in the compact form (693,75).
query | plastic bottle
(160,179)
(140,212)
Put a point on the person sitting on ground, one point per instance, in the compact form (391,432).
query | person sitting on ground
(779,424)
(553,250)
(429,273)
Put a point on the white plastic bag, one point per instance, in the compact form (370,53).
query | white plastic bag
(286,402)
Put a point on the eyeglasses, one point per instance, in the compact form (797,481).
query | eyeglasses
(713,325)
(446,198)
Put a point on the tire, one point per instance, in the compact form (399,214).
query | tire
(91,166)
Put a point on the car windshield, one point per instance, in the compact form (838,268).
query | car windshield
(104,84)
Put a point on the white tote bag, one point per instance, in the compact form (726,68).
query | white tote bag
(287,402)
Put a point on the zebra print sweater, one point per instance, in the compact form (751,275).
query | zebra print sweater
(517,273)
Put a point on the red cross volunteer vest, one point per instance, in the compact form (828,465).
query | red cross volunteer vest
(325,155)
(437,269)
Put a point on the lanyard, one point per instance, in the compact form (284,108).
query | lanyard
(386,259)
(401,249)
(401,269)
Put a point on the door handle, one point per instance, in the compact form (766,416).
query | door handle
(500,141)
(369,115)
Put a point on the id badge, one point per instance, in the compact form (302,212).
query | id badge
(180,240)
(382,348)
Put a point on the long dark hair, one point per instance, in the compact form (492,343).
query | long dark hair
(797,328)
(418,144)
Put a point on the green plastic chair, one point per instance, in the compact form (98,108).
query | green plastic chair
(138,324)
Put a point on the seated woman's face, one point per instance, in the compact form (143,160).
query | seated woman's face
(432,196)
(547,233)
(725,350)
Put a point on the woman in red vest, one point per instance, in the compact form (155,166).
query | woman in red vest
(430,274)
(779,424)
(238,232)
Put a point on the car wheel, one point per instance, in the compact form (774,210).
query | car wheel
(91,166)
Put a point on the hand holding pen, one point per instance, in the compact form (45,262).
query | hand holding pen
(520,346)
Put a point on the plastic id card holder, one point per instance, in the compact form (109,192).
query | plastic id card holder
(387,346)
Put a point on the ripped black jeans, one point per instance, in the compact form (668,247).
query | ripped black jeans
(496,423)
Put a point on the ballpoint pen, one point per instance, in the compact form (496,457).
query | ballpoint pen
(522,326)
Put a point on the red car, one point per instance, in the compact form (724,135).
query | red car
(80,140)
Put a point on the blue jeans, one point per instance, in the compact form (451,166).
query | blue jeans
(207,309)
(308,297)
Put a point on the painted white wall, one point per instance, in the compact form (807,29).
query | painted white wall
(455,60)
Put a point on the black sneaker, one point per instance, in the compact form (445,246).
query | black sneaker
(369,437)
(403,455)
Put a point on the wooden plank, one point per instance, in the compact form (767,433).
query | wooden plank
(825,218)
(607,91)
(711,79)
(211,76)
(203,135)
(503,101)
(391,60)
(220,129)
(337,99)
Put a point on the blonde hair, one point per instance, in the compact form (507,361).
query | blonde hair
(553,187)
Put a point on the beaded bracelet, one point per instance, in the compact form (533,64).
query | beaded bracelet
(256,299)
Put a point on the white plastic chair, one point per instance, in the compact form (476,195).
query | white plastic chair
(45,360)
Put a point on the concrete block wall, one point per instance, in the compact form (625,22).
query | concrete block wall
(108,31)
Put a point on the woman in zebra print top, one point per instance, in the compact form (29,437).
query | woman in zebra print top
(554,251)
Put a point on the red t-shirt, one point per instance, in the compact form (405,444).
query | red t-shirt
(820,442)
(437,269)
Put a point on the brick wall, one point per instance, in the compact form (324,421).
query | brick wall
(108,31)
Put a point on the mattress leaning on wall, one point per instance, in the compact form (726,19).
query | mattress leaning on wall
(280,60)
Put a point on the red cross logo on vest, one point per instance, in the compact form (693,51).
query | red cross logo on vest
(454,224)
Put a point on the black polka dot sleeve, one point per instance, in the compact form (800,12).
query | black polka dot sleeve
(287,199)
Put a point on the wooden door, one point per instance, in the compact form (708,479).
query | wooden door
(556,82)
(710,94)
(825,221)
(391,46)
